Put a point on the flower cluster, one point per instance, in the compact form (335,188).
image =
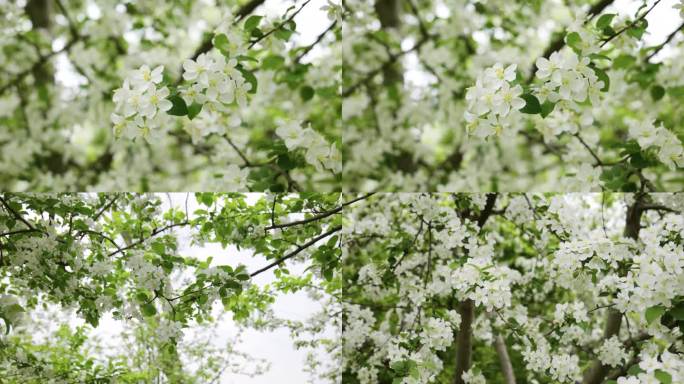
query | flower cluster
(652,369)
(587,178)
(472,377)
(167,330)
(611,352)
(657,276)
(576,310)
(319,153)
(667,146)
(235,178)
(138,101)
(214,80)
(492,100)
(145,275)
(561,367)
(567,77)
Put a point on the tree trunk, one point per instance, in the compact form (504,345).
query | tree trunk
(504,359)
(388,14)
(40,14)
(597,372)
(464,339)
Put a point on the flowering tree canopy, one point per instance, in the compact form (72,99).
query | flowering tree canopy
(536,288)
(449,247)
(460,95)
(118,255)
(177,95)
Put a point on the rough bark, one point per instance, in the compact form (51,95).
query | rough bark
(464,346)
(464,340)
(40,14)
(597,372)
(504,359)
(388,14)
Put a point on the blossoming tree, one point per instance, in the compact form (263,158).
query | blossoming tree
(178,95)
(461,95)
(509,288)
(118,255)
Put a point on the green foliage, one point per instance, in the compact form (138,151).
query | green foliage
(654,313)
(179,108)
(532,105)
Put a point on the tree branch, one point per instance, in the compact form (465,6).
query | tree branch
(277,27)
(559,42)
(504,359)
(155,232)
(667,41)
(320,216)
(16,214)
(618,33)
(241,13)
(299,249)
(309,47)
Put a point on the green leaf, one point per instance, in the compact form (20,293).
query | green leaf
(206,198)
(401,367)
(328,273)
(141,297)
(677,91)
(285,162)
(242,276)
(637,31)
(178,108)
(678,311)
(603,76)
(306,92)
(194,109)
(657,92)
(547,107)
(638,161)
(598,56)
(246,58)
(222,44)
(663,376)
(232,285)
(634,370)
(531,104)
(250,78)
(605,20)
(252,22)
(573,40)
(624,61)
(272,62)
(283,34)
(148,310)
(654,313)
(614,178)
